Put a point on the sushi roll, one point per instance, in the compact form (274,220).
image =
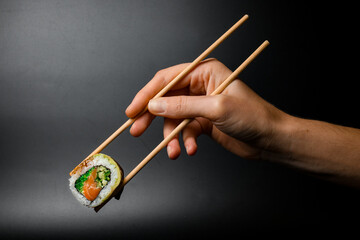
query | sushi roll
(95,180)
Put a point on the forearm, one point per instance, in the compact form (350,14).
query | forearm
(325,149)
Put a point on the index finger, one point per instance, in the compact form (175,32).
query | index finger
(156,84)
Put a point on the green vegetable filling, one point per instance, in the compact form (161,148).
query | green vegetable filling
(102,178)
(79,184)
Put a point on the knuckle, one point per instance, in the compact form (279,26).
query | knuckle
(211,60)
(219,106)
(216,63)
(159,73)
(181,104)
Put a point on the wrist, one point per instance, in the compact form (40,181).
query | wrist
(277,143)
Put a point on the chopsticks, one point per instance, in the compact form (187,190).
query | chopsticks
(188,69)
(183,124)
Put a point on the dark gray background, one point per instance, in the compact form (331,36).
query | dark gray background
(68,70)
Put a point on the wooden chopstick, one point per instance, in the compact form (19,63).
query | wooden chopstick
(182,125)
(188,69)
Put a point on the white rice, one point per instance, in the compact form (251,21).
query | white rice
(98,160)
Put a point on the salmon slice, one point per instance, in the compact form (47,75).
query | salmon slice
(91,191)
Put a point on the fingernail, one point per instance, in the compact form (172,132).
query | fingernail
(187,149)
(127,109)
(157,106)
(169,150)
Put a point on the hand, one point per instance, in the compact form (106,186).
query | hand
(245,124)
(238,119)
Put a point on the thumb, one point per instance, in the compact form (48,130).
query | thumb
(210,107)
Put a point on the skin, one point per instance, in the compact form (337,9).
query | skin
(245,124)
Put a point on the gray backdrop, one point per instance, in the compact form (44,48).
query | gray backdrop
(68,70)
